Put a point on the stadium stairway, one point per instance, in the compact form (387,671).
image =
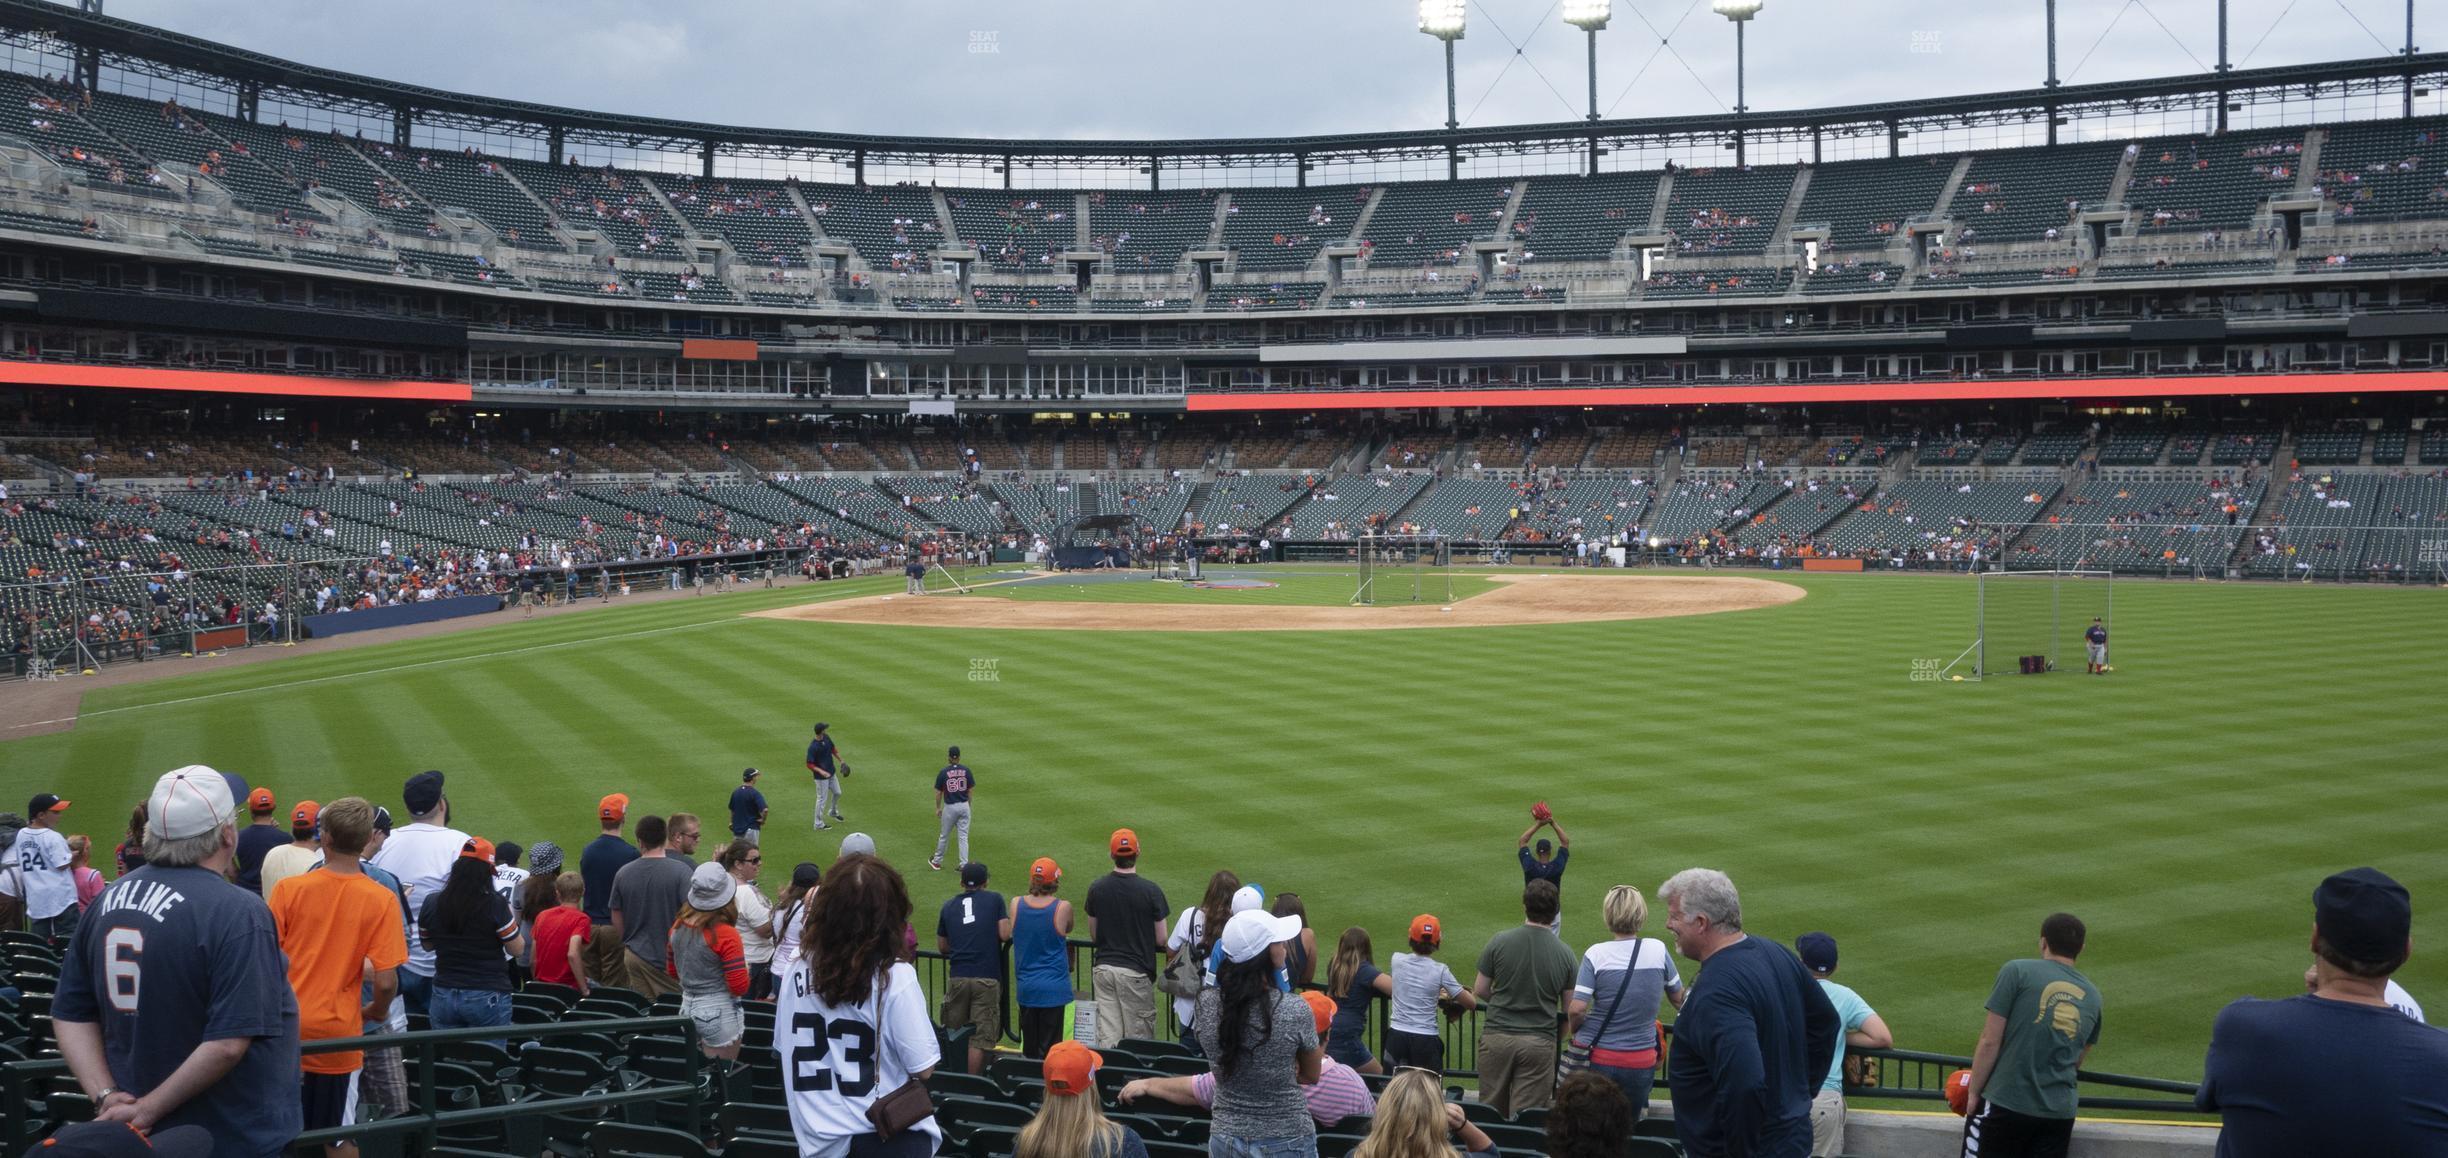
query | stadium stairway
(404,187)
(688,228)
(1782,234)
(1368,212)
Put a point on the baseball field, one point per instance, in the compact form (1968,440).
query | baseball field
(2252,739)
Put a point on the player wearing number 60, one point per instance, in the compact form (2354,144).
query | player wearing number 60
(850,1025)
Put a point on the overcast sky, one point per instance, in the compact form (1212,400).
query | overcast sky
(1183,68)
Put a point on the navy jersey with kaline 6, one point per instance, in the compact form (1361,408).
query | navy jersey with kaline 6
(953,782)
(171,958)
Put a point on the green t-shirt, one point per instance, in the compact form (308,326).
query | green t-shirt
(1528,970)
(2052,1014)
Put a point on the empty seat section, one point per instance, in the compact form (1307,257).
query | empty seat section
(1347,506)
(2195,184)
(1424,224)
(1854,276)
(2124,524)
(1026,299)
(1282,229)
(1918,514)
(1865,203)
(54,125)
(1593,507)
(310,160)
(1697,505)
(2386,170)
(166,132)
(607,200)
(758,218)
(1015,231)
(1726,210)
(1291,295)
(1582,218)
(2021,194)
(1148,232)
(892,227)
(477,186)
(1756,281)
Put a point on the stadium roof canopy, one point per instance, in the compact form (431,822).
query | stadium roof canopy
(98,42)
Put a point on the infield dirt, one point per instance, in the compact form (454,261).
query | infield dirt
(1517,599)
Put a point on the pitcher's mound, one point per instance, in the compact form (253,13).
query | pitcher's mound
(1517,599)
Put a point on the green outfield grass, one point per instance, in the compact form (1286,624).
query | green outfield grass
(2253,739)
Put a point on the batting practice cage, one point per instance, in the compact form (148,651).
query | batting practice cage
(2032,622)
(1404,568)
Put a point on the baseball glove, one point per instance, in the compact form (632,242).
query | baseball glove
(844,770)
(1541,812)
(1451,1007)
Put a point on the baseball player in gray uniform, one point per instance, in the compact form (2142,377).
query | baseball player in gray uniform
(952,788)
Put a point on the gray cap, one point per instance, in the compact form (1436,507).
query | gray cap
(858,842)
(710,887)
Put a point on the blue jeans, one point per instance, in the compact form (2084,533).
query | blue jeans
(456,1008)
(1297,1146)
(1634,1083)
(417,990)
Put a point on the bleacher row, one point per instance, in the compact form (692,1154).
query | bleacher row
(2368,171)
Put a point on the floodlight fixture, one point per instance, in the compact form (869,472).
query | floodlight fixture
(1588,15)
(1444,19)
(1736,10)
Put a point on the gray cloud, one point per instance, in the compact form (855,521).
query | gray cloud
(1174,68)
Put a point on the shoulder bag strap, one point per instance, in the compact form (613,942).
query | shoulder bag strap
(1621,983)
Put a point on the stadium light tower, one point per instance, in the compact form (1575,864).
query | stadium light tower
(1740,12)
(1445,20)
(1589,16)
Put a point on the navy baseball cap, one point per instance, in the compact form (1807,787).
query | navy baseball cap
(1544,847)
(120,1140)
(748,775)
(2363,914)
(973,875)
(382,819)
(422,792)
(1818,952)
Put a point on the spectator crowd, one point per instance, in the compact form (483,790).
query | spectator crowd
(246,934)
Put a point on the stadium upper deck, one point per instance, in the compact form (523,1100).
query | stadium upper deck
(182,156)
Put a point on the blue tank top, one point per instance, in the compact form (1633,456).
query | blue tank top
(1041,963)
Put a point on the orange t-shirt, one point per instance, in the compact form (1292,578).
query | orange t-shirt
(331,924)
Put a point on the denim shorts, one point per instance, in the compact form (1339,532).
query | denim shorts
(718,1020)
(1296,1146)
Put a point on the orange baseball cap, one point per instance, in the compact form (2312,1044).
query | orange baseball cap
(304,815)
(1043,871)
(261,800)
(614,807)
(477,848)
(1426,927)
(1124,843)
(1321,1007)
(1070,1069)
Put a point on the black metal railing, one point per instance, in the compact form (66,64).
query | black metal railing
(21,1081)
(1912,1075)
